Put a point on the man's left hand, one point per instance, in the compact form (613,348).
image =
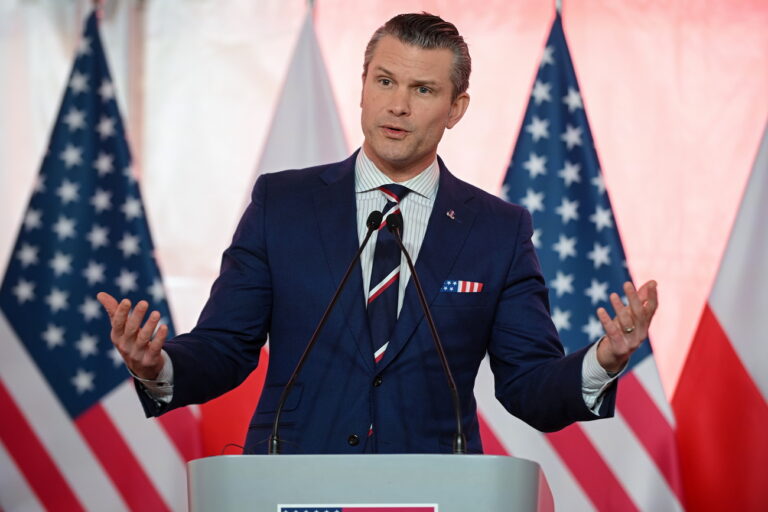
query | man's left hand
(627,330)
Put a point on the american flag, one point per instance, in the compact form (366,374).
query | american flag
(628,462)
(73,435)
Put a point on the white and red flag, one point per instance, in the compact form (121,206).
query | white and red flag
(720,399)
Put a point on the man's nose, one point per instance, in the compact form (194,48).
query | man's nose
(400,104)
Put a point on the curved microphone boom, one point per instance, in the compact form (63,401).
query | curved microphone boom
(372,223)
(395,225)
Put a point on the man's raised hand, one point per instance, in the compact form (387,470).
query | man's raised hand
(627,330)
(141,350)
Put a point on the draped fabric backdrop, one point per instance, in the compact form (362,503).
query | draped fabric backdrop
(675,93)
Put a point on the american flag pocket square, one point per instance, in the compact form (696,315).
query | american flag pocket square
(452,286)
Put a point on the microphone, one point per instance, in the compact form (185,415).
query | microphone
(395,225)
(372,223)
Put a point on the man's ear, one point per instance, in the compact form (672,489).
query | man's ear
(458,107)
(362,88)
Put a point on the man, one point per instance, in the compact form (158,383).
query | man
(373,382)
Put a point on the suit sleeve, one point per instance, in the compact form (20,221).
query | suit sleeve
(534,380)
(224,347)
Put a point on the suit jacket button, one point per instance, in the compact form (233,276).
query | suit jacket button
(377,381)
(353,440)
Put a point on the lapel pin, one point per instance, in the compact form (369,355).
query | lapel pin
(451,214)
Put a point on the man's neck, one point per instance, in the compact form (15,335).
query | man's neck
(399,174)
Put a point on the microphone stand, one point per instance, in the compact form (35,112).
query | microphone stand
(395,224)
(373,223)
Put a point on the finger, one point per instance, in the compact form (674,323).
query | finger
(118,321)
(135,318)
(156,345)
(652,300)
(609,325)
(108,302)
(145,334)
(616,302)
(634,300)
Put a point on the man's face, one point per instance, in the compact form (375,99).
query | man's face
(407,105)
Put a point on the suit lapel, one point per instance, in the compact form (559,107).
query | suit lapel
(336,214)
(443,240)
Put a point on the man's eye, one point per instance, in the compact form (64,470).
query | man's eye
(424,90)
(385,81)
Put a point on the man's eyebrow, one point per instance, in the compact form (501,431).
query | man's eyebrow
(432,83)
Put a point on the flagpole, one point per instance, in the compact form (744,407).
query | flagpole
(559,6)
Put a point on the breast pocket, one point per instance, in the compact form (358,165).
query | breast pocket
(457,300)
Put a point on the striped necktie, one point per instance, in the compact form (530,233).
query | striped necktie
(384,287)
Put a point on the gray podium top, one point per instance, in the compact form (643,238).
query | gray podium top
(454,483)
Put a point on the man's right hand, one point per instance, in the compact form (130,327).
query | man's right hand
(141,350)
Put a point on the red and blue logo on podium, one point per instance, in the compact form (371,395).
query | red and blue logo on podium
(307,507)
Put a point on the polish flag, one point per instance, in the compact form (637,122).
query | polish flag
(720,401)
(305,131)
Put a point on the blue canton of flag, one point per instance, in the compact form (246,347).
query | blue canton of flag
(556,175)
(84,231)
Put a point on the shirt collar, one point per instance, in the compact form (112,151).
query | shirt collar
(369,177)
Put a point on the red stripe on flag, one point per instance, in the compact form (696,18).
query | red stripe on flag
(32,459)
(491,443)
(590,470)
(651,428)
(118,460)
(722,421)
(184,431)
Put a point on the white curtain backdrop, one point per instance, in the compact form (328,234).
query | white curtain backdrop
(675,92)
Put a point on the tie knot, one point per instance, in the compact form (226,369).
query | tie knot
(394,192)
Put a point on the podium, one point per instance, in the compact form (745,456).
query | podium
(439,482)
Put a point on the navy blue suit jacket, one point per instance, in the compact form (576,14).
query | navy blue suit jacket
(287,256)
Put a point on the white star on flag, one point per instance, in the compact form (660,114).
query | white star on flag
(78,83)
(75,119)
(131,208)
(68,191)
(32,219)
(538,128)
(568,210)
(101,200)
(64,227)
(83,381)
(90,308)
(570,173)
(601,218)
(536,165)
(107,90)
(565,246)
(72,156)
(61,264)
(57,300)
(561,319)
(533,201)
(573,100)
(24,291)
(86,345)
(541,92)
(54,336)
(103,164)
(562,283)
(106,127)
(27,255)
(126,281)
(98,236)
(94,272)
(600,255)
(572,136)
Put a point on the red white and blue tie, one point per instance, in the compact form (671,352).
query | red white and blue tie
(385,276)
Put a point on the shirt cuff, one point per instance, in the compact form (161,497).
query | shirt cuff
(595,379)
(161,388)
